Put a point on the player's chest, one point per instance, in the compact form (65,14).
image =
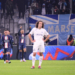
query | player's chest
(6,39)
(39,32)
(22,36)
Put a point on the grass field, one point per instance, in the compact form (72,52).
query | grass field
(48,68)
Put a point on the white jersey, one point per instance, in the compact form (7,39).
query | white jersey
(39,33)
(38,37)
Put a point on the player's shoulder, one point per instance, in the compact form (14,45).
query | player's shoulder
(43,29)
(34,28)
(3,35)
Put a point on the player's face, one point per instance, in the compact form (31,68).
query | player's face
(40,25)
(22,31)
(8,32)
(5,33)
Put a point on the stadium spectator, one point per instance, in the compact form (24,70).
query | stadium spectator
(39,3)
(21,8)
(3,5)
(68,7)
(28,3)
(63,11)
(37,11)
(33,5)
(43,10)
(44,2)
(60,5)
(69,40)
(9,8)
(73,43)
(56,10)
(48,7)
(64,5)
(73,7)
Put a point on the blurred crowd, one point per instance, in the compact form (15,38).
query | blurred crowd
(39,7)
(46,6)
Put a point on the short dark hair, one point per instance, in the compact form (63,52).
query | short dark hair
(38,23)
(6,30)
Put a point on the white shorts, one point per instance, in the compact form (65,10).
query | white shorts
(38,45)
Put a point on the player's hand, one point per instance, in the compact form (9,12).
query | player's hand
(20,27)
(43,40)
(33,41)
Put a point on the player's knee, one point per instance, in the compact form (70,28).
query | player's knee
(8,52)
(41,54)
(24,49)
(20,50)
(34,54)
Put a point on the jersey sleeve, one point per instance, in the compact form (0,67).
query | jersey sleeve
(46,33)
(19,33)
(11,38)
(32,31)
(11,41)
(2,38)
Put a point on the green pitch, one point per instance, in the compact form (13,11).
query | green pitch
(48,68)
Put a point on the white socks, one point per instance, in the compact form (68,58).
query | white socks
(40,60)
(33,61)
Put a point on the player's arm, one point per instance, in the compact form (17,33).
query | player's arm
(19,32)
(29,31)
(11,41)
(47,36)
(30,35)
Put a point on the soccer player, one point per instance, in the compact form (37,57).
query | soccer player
(6,39)
(22,44)
(39,32)
(11,44)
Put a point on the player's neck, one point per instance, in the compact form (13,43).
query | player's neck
(39,28)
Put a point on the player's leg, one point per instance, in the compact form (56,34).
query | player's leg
(35,48)
(40,59)
(4,57)
(9,50)
(9,55)
(20,50)
(24,53)
(33,60)
(41,50)
(20,55)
